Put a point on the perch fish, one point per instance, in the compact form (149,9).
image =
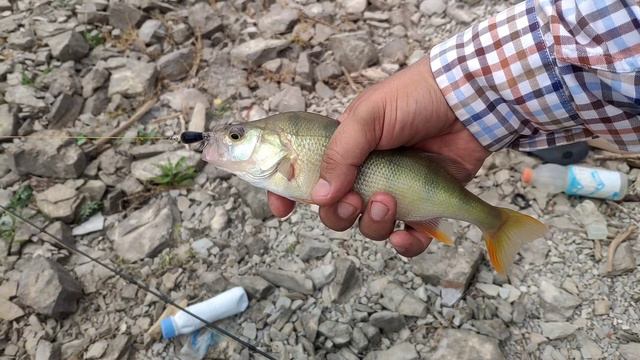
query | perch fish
(282,153)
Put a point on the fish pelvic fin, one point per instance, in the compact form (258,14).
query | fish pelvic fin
(433,228)
(515,230)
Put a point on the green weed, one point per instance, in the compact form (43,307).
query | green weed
(18,201)
(143,136)
(89,209)
(93,39)
(175,174)
(26,80)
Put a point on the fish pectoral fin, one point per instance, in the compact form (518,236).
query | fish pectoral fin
(286,168)
(433,228)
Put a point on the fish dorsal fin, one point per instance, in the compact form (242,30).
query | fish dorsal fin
(433,228)
(453,167)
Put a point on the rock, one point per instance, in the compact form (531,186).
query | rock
(68,45)
(402,351)
(135,78)
(323,90)
(22,40)
(346,282)
(147,169)
(48,288)
(93,224)
(432,7)
(460,14)
(176,65)
(395,51)
(59,202)
(152,31)
(338,333)
(558,304)
(359,340)
(48,351)
(353,6)
(203,20)
(601,307)
(310,323)
(589,348)
(223,82)
(255,199)
(65,111)
(397,298)
(97,103)
(387,321)
(124,16)
(8,122)
(623,261)
(180,33)
(489,289)
(278,20)
(322,275)
(94,80)
(55,157)
(118,348)
(25,96)
(494,328)
(148,150)
(289,99)
(9,311)
(630,351)
(96,350)
(202,246)
(61,231)
(146,232)
(257,51)
(304,71)
(256,286)
(466,345)
(355,51)
(448,267)
(557,329)
(288,280)
(311,249)
(182,99)
(219,220)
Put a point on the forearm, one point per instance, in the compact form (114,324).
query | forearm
(541,74)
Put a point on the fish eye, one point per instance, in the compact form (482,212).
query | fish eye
(236,133)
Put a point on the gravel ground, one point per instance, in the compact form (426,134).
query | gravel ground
(84,68)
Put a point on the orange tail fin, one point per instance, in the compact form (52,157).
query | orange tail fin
(504,242)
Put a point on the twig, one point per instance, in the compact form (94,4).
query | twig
(614,245)
(617,157)
(165,118)
(349,79)
(136,116)
(198,56)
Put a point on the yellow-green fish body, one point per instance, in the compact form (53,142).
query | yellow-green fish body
(282,153)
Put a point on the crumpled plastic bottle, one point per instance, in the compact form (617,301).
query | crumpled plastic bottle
(198,344)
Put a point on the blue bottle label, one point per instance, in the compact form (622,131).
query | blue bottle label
(597,183)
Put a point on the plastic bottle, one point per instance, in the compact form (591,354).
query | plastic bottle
(578,180)
(226,304)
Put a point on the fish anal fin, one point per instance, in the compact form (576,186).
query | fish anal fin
(433,228)
(286,168)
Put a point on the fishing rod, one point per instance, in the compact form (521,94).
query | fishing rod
(130,279)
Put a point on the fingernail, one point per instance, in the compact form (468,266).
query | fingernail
(378,211)
(345,210)
(322,189)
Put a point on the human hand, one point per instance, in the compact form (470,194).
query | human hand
(405,110)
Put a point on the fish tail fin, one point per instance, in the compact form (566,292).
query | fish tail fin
(505,241)
(433,228)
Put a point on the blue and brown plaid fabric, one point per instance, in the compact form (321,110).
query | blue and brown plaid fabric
(547,72)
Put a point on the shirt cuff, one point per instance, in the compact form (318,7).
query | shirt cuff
(500,80)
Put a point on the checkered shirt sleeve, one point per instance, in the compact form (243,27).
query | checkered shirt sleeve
(546,72)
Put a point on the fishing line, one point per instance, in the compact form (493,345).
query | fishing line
(80,137)
(130,279)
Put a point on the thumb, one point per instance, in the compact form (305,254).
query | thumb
(357,135)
